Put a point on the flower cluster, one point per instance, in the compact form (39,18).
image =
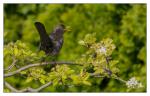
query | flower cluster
(133,83)
(102,50)
(104,47)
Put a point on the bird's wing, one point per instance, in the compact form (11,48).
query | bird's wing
(57,33)
(57,46)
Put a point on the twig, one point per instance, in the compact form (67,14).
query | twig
(117,78)
(108,70)
(113,77)
(42,87)
(96,75)
(28,89)
(12,65)
(37,64)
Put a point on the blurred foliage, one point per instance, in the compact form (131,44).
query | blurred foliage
(125,24)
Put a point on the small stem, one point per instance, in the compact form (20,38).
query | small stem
(117,78)
(107,61)
(108,66)
(12,65)
(114,77)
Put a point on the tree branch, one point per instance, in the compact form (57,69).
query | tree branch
(38,64)
(10,87)
(28,89)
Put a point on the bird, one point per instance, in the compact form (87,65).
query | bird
(51,44)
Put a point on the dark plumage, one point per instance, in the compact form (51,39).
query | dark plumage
(50,44)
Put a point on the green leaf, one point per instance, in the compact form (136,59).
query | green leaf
(6,90)
(16,52)
(81,42)
(87,83)
(42,81)
(55,82)
(29,79)
(41,53)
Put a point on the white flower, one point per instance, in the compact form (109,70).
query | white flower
(133,83)
(102,50)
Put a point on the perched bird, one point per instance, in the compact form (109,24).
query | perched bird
(50,44)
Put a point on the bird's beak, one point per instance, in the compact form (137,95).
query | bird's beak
(67,29)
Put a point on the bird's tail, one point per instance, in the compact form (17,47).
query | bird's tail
(42,32)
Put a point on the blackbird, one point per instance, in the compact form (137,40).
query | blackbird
(50,44)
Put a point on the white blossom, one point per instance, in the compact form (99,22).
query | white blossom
(133,83)
(102,50)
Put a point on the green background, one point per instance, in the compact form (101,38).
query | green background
(124,23)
